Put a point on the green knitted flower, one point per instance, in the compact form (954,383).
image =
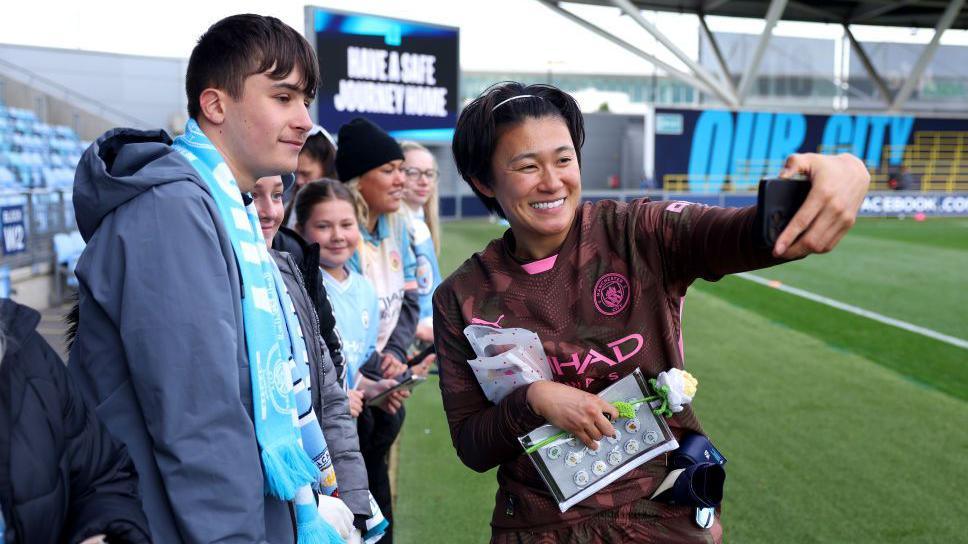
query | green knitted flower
(625,409)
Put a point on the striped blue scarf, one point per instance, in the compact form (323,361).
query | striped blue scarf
(290,446)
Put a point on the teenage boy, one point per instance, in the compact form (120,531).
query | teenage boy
(165,344)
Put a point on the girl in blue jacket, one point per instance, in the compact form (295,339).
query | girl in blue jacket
(326,215)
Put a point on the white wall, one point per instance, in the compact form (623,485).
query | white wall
(151,89)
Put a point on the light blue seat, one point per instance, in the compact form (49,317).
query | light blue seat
(6,175)
(67,250)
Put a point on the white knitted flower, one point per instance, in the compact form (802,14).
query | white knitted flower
(682,387)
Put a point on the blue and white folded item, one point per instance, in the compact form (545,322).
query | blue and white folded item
(698,476)
(376,524)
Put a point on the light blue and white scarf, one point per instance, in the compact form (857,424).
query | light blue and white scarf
(274,344)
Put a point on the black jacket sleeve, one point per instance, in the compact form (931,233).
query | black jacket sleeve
(371,367)
(306,256)
(406,329)
(103,483)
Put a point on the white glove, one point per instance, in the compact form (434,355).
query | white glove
(355,537)
(336,513)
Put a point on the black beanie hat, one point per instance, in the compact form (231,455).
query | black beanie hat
(363,146)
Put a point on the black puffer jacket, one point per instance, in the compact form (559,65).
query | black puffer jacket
(329,399)
(307,259)
(62,477)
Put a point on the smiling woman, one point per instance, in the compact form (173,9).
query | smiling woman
(585,278)
(537,190)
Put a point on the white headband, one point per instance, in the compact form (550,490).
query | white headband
(505,101)
(320,130)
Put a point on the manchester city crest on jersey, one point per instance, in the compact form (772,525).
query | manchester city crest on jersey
(425,275)
(611,293)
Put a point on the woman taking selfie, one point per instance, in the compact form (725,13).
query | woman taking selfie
(584,277)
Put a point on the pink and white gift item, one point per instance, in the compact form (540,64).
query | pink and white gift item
(506,359)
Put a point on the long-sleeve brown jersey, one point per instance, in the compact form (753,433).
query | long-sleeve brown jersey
(607,303)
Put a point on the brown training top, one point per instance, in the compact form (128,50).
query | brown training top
(607,303)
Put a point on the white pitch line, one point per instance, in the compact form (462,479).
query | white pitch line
(957,342)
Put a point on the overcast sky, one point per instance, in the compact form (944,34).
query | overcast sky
(505,35)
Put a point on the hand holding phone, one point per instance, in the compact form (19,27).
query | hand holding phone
(777,202)
(419,358)
(838,184)
(405,386)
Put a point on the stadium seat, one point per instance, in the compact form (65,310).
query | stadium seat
(8,180)
(35,154)
(67,249)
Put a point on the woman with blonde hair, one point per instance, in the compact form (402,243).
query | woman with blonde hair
(420,192)
(420,207)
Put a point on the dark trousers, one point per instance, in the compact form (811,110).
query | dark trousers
(378,430)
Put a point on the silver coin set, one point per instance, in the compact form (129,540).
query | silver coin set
(588,464)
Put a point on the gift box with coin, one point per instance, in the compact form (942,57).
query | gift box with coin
(574,472)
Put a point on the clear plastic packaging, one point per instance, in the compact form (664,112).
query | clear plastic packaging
(506,359)
(574,472)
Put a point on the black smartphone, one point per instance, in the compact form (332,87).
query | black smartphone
(424,353)
(406,385)
(776,203)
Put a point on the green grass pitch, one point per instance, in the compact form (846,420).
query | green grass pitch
(837,428)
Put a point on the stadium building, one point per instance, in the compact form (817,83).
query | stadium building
(707,133)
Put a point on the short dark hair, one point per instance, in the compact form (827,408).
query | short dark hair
(321,149)
(475,137)
(242,45)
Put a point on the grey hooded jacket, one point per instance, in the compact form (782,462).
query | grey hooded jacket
(329,399)
(160,348)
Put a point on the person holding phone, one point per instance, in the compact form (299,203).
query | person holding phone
(326,215)
(369,162)
(350,505)
(602,286)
